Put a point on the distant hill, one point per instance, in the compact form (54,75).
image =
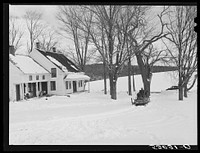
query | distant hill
(95,71)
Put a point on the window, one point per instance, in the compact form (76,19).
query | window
(80,84)
(53,85)
(37,77)
(30,78)
(68,84)
(53,72)
(43,77)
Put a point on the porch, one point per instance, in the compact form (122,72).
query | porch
(30,90)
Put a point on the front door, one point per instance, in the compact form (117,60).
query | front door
(44,87)
(74,86)
(17,92)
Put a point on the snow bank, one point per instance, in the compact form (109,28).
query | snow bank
(160,82)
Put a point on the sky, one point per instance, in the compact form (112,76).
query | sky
(48,11)
(49,16)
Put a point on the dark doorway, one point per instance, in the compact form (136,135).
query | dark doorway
(32,89)
(44,87)
(17,92)
(74,86)
(38,86)
(24,88)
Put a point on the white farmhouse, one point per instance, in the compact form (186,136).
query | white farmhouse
(26,76)
(65,76)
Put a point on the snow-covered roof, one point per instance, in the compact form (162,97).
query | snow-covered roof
(73,67)
(61,61)
(27,64)
(57,63)
(77,76)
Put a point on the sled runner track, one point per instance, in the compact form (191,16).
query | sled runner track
(100,115)
(103,115)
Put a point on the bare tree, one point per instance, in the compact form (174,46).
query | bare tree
(15,33)
(98,38)
(133,78)
(114,31)
(109,34)
(34,26)
(129,74)
(151,55)
(100,59)
(140,44)
(76,21)
(48,39)
(184,40)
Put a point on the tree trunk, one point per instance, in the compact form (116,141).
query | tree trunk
(147,87)
(180,89)
(146,83)
(180,93)
(180,86)
(129,77)
(146,78)
(185,91)
(104,77)
(114,92)
(111,82)
(113,85)
(133,82)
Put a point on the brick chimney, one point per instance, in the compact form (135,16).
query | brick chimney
(54,49)
(37,45)
(12,50)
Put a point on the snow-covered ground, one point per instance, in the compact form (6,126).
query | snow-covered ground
(93,118)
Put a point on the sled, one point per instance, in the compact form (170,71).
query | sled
(138,102)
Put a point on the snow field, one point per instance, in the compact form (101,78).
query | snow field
(160,82)
(93,118)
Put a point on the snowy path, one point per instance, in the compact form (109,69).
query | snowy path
(107,122)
